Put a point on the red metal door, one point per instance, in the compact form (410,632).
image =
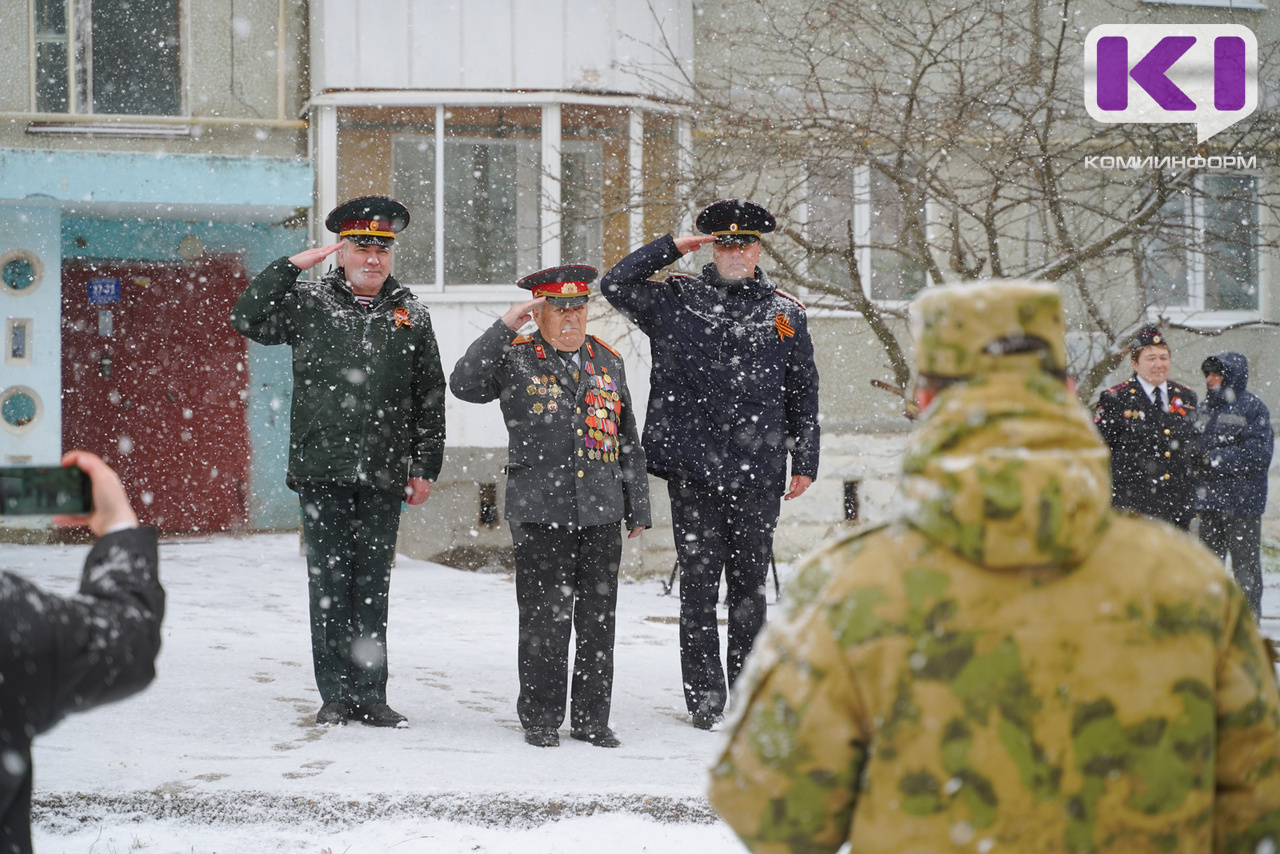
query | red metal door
(154,380)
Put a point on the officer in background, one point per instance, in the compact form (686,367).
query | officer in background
(1009,665)
(1235,443)
(733,394)
(575,471)
(1148,421)
(366,434)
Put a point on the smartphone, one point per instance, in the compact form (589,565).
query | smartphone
(45,491)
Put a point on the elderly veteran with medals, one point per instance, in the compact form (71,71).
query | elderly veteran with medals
(575,471)
(734,393)
(1148,421)
(366,434)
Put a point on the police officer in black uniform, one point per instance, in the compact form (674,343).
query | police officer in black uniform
(1149,423)
(734,393)
(575,470)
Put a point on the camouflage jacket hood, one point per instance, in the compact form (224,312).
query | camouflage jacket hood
(1008,472)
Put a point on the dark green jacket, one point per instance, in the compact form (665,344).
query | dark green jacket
(368,390)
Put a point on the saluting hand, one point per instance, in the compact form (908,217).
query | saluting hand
(519,315)
(693,242)
(308,258)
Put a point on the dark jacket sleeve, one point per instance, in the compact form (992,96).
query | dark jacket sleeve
(475,377)
(803,430)
(635,479)
(63,655)
(428,399)
(1243,452)
(260,313)
(628,289)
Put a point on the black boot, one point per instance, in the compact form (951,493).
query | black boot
(379,714)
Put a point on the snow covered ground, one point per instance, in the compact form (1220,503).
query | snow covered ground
(221,753)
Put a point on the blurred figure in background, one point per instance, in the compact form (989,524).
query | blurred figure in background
(1235,442)
(60,655)
(1148,422)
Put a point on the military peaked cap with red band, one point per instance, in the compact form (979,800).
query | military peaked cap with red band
(368,220)
(562,286)
(1148,336)
(735,221)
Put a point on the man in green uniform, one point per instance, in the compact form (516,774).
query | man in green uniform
(1010,665)
(366,433)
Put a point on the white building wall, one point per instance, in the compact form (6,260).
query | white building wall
(614,46)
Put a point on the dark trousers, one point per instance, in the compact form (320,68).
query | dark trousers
(719,530)
(350,536)
(1240,537)
(566,579)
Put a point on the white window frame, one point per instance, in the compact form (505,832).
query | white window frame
(79,42)
(860,200)
(1194,313)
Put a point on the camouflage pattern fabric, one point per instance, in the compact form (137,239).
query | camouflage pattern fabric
(953,324)
(1010,667)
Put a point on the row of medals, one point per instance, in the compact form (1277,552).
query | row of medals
(603,406)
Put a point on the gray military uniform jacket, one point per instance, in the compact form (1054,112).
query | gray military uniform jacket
(574,453)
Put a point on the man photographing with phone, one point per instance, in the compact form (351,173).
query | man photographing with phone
(61,655)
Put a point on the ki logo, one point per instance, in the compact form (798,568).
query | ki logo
(1163,73)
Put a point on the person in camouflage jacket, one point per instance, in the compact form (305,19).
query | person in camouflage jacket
(1009,665)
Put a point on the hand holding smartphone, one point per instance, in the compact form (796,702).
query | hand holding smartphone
(45,491)
(82,491)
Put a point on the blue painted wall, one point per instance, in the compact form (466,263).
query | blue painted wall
(34,228)
(178,180)
(136,206)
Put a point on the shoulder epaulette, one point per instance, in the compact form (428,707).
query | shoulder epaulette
(606,346)
(1115,389)
(521,339)
(681,277)
(790,297)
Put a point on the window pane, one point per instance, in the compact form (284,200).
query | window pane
(895,275)
(830,203)
(1230,244)
(1164,257)
(413,180)
(135,57)
(492,189)
(582,203)
(51,77)
(51,18)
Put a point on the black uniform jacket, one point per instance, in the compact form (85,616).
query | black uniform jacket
(67,655)
(734,387)
(1153,452)
(574,456)
(368,389)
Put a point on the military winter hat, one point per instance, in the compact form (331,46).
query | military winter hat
(562,286)
(735,221)
(1147,336)
(962,330)
(368,220)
